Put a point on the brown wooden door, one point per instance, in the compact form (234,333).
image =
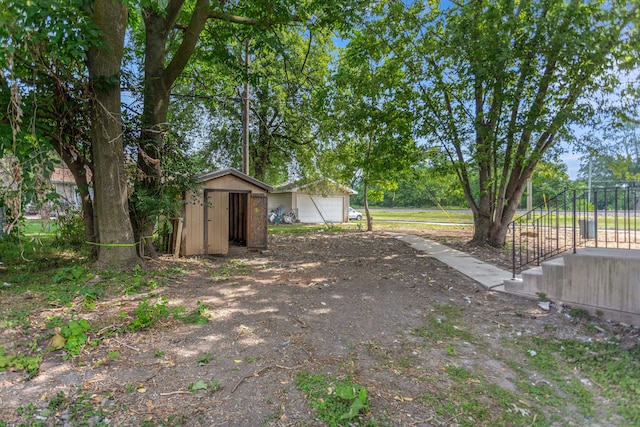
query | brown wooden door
(257,227)
(217,223)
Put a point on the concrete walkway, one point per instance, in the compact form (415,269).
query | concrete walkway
(489,276)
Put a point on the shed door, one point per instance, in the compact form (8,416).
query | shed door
(217,223)
(320,209)
(257,235)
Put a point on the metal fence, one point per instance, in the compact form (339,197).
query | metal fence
(601,218)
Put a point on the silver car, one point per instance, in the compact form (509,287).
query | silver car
(354,214)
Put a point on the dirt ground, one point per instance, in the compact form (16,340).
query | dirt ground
(344,304)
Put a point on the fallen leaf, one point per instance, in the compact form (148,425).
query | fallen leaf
(142,390)
(58,341)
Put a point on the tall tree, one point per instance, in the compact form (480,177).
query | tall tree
(50,87)
(287,66)
(171,37)
(500,81)
(104,59)
(372,124)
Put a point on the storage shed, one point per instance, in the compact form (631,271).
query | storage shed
(229,209)
(319,201)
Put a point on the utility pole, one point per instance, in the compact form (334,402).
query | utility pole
(245,114)
(529,195)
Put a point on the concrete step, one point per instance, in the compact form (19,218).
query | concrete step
(532,280)
(553,277)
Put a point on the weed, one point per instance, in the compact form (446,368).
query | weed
(78,410)
(541,392)
(137,282)
(113,355)
(579,313)
(203,385)
(75,335)
(337,402)
(231,268)
(75,274)
(441,329)
(203,360)
(89,296)
(199,316)
(470,401)
(458,373)
(17,318)
(158,353)
(542,296)
(148,314)
(616,370)
(29,364)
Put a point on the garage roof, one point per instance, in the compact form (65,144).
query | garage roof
(319,186)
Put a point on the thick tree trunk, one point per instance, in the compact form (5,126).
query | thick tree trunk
(149,184)
(116,243)
(482,226)
(159,77)
(513,194)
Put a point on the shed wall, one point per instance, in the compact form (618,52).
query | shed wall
(193,231)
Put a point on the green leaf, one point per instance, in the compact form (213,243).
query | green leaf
(198,385)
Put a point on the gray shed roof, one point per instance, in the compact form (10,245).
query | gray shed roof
(231,171)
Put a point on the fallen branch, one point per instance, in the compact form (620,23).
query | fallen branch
(126,345)
(494,321)
(255,374)
(175,392)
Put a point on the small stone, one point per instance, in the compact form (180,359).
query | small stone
(545,305)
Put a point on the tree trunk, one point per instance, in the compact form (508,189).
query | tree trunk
(482,226)
(159,77)
(80,176)
(76,165)
(366,206)
(499,229)
(115,234)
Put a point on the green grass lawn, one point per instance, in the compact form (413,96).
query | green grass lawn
(39,227)
(423,216)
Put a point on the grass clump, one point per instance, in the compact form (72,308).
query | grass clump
(469,400)
(337,402)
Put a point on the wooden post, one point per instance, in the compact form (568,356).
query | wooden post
(176,248)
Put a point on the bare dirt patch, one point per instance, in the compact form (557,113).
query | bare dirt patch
(431,347)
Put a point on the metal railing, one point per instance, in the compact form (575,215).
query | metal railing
(601,218)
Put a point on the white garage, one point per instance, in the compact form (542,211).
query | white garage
(313,209)
(322,201)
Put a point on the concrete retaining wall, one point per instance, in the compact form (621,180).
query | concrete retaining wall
(606,279)
(600,280)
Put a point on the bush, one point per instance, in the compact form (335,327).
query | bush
(70,229)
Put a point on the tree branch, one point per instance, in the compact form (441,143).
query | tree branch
(257,22)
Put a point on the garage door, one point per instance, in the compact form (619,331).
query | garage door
(320,209)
